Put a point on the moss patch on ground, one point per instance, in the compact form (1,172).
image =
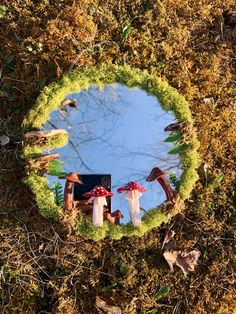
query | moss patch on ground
(192,46)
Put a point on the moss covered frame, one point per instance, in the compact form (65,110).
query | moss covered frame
(82,78)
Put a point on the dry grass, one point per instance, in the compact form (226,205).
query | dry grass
(192,45)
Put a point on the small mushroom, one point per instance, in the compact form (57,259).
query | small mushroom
(158,174)
(133,194)
(98,197)
(71,178)
(113,218)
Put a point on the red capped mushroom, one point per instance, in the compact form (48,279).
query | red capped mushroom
(98,197)
(133,194)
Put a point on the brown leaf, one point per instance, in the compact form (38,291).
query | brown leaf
(170,258)
(44,159)
(169,243)
(187,261)
(110,309)
(69,102)
(172,127)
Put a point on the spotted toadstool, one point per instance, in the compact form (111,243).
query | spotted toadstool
(98,197)
(133,194)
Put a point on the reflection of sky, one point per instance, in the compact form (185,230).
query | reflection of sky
(118,131)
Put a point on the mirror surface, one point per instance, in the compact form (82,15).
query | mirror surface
(117,131)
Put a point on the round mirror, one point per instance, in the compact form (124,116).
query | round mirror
(118,132)
(128,156)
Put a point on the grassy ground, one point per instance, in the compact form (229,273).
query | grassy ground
(190,44)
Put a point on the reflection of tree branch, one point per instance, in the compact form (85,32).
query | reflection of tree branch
(137,175)
(92,139)
(75,149)
(148,155)
(100,102)
(128,152)
(154,156)
(99,137)
(103,102)
(83,122)
(144,174)
(86,132)
(158,117)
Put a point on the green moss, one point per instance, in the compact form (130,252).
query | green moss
(85,227)
(116,232)
(153,218)
(170,100)
(190,161)
(44,196)
(51,96)
(187,182)
(33,151)
(29,152)
(56,141)
(190,158)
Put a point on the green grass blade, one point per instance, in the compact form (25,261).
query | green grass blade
(163,291)
(55,163)
(108,288)
(175,136)
(56,172)
(126,31)
(215,182)
(177,149)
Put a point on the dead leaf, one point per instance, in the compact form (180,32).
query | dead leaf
(187,261)
(41,247)
(110,309)
(169,243)
(69,102)
(44,158)
(208,100)
(4,140)
(170,258)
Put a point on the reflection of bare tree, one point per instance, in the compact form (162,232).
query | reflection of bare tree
(108,106)
(137,175)
(102,104)
(74,147)
(82,132)
(153,156)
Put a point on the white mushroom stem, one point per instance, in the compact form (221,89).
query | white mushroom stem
(134,207)
(98,203)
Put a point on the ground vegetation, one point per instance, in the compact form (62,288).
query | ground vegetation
(190,44)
